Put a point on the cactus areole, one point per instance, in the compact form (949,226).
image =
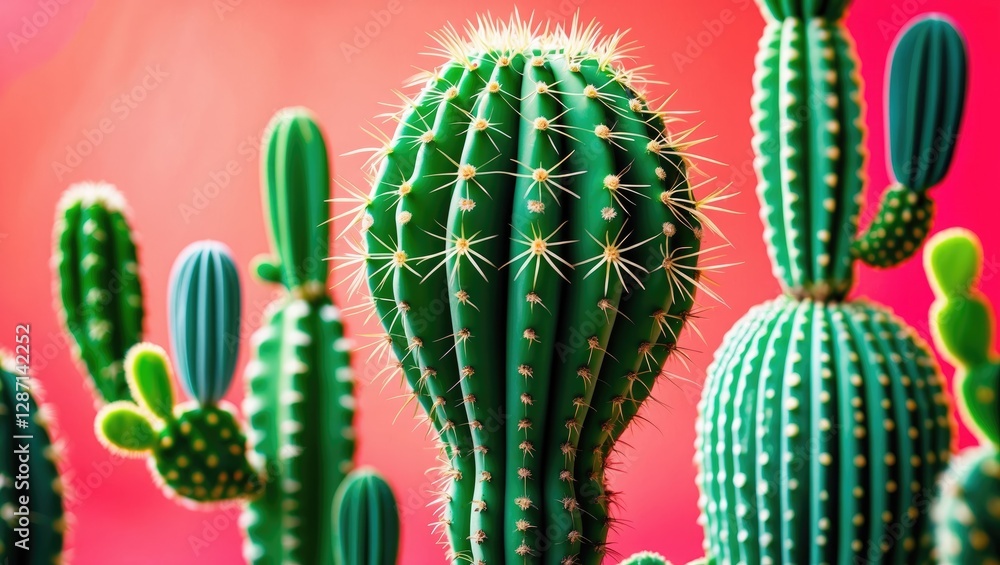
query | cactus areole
(531,244)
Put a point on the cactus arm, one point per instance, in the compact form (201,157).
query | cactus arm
(125,429)
(149,378)
(964,328)
(927,82)
(97,283)
(296,175)
(366,521)
(597,218)
(205,319)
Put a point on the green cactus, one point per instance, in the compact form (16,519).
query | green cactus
(97,283)
(968,513)
(531,245)
(299,401)
(645,558)
(366,521)
(198,449)
(30,533)
(823,423)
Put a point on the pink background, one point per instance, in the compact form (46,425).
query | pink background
(221,68)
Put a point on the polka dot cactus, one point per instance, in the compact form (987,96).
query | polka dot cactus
(197,452)
(823,424)
(531,244)
(300,389)
(968,513)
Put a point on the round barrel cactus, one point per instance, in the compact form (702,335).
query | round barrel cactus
(823,424)
(968,512)
(531,243)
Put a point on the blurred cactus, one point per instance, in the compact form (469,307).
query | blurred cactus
(97,284)
(822,420)
(198,449)
(968,513)
(532,246)
(32,532)
(300,387)
(366,521)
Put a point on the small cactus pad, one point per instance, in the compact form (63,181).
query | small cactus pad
(531,243)
(366,523)
(817,424)
(42,518)
(967,514)
(296,181)
(926,100)
(899,228)
(97,283)
(205,319)
(198,451)
(300,387)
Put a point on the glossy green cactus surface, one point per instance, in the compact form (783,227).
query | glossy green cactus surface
(300,388)
(968,512)
(97,283)
(366,524)
(531,243)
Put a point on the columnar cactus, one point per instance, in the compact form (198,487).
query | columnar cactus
(967,515)
(31,533)
(366,521)
(531,244)
(823,423)
(300,388)
(97,283)
(196,450)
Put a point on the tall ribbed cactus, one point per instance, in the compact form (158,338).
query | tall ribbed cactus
(32,523)
(366,521)
(299,402)
(97,283)
(531,244)
(823,423)
(968,513)
(198,449)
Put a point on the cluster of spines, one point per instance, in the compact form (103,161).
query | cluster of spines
(46,521)
(967,515)
(97,283)
(197,450)
(366,521)
(300,386)
(552,166)
(805,392)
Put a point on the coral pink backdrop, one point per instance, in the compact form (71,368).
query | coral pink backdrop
(167,100)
